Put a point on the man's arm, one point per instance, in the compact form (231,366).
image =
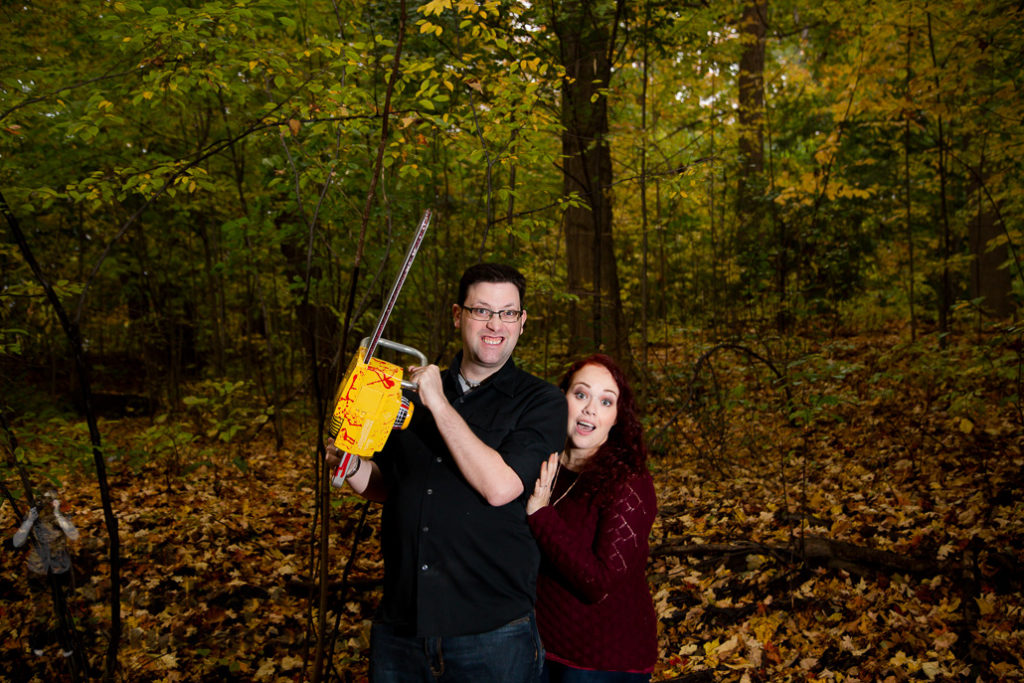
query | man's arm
(482,466)
(367,481)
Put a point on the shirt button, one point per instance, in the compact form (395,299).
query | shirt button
(424,567)
(426,529)
(438,459)
(430,492)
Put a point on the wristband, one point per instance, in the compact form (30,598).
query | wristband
(338,478)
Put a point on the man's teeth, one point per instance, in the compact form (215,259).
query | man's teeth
(493,341)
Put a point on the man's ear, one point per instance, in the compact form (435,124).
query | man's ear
(456,318)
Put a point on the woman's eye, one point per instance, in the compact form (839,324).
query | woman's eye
(580,395)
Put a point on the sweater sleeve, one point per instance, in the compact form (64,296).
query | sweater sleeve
(593,565)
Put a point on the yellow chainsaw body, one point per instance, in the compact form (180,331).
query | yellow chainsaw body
(368,406)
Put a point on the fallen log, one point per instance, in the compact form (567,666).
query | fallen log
(824,551)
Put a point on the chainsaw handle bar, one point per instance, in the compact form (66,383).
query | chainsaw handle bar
(400,348)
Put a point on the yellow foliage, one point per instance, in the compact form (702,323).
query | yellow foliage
(435,7)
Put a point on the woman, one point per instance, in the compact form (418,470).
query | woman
(591,512)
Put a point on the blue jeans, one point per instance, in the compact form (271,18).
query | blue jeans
(556,672)
(511,653)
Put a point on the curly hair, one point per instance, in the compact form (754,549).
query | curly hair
(624,453)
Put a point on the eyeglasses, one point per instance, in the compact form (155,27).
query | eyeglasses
(485,314)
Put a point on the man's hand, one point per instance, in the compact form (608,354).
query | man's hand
(333,454)
(428,385)
(334,458)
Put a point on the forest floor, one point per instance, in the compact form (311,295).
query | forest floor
(862,521)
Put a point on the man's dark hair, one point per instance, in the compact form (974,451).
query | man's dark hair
(492,272)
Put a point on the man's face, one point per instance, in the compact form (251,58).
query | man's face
(487,344)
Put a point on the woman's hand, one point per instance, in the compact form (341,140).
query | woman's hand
(541,496)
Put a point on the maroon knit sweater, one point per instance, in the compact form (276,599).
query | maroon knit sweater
(594,607)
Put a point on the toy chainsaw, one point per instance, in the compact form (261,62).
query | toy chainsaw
(369,404)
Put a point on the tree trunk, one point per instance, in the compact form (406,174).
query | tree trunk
(751,100)
(990,279)
(750,183)
(586,35)
(945,245)
(73,331)
(906,196)
(644,298)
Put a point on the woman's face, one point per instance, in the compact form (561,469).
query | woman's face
(593,399)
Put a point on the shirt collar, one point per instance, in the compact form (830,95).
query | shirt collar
(503,380)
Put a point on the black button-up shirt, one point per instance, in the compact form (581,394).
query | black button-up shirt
(453,563)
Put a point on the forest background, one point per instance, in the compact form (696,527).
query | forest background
(797,223)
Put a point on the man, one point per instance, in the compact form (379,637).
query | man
(460,564)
